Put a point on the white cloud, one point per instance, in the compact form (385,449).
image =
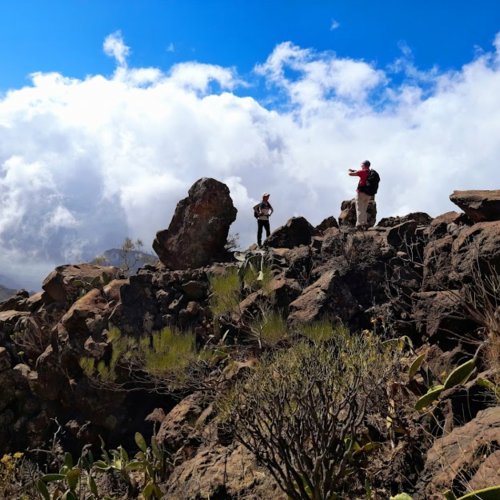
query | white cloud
(85,163)
(334,25)
(114,46)
(171,47)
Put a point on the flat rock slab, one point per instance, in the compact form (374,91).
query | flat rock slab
(479,205)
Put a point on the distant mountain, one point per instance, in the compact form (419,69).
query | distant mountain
(5,292)
(7,282)
(129,260)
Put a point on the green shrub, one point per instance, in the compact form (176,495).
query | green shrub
(225,292)
(302,411)
(163,361)
(270,328)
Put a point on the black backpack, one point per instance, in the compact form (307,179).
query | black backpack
(372,181)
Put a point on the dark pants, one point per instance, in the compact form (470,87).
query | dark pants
(262,224)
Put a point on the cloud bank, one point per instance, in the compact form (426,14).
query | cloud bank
(85,163)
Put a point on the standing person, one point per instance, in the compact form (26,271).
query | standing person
(367,188)
(262,211)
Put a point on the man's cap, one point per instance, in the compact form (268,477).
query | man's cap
(265,195)
(367,163)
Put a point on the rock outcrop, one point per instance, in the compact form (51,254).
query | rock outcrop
(199,228)
(404,277)
(347,217)
(479,205)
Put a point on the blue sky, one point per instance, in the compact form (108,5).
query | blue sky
(66,35)
(111,110)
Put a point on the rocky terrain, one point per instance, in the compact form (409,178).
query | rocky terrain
(433,282)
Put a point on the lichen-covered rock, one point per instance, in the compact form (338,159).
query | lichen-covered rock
(199,228)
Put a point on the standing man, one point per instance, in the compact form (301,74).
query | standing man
(367,188)
(262,211)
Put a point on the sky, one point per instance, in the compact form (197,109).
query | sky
(111,109)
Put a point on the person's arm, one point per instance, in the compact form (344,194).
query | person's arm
(272,209)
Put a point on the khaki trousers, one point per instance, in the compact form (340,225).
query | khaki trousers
(362,201)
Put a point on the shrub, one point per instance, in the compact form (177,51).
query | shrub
(225,292)
(301,413)
(164,361)
(269,328)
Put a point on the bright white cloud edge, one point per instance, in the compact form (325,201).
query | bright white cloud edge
(85,163)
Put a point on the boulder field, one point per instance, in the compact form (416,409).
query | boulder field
(406,277)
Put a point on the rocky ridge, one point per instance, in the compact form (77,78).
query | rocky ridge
(401,278)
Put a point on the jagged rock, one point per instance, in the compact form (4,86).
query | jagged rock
(66,283)
(297,231)
(284,290)
(440,318)
(479,205)
(459,455)
(87,316)
(421,218)
(439,226)
(488,473)
(438,271)
(15,302)
(195,290)
(400,235)
(328,296)
(222,472)
(8,321)
(327,223)
(179,425)
(138,311)
(476,247)
(347,217)
(199,228)
(333,243)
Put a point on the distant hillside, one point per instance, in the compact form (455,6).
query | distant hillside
(128,260)
(5,293)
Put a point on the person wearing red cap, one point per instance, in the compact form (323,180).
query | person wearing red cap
(262,212)
(362,199)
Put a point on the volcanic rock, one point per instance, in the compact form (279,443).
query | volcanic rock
(479,205)
(65,283)
(459,455)
(347,217)
(297,231)
(199,228)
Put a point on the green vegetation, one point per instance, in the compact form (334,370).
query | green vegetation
(225,292)
(163,361)
(302,412)
(269,329)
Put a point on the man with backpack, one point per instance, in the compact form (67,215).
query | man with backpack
(262,211)
(367,189)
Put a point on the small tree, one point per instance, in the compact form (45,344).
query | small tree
(303,410)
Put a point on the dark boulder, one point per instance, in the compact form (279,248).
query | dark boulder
(199,228)
(297,231)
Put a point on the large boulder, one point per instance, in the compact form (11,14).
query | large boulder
(479,205)
(462,457)
(477,248)
(297,231)
(199,228)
